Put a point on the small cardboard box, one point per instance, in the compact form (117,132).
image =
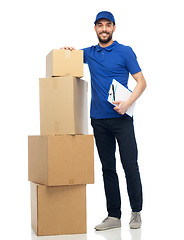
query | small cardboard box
(63,106)
(61,160)
(58,210)
(60,62)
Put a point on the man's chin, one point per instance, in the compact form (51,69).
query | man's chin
(104,40)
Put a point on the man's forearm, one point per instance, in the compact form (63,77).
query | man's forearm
(139,89)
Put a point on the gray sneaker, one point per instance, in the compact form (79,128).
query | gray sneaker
(135,221)
(108,223)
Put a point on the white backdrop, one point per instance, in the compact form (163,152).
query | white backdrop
(29,31)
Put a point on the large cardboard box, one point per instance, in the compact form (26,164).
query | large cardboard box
(61,160)
(63,106)
(60,62)
(58,210)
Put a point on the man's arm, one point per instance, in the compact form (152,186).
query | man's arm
(138,90)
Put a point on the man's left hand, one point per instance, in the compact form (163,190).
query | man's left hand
(121,107)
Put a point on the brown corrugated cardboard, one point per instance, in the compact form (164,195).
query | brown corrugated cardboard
(61,160)
(60,62)
(58,210)
(63,106)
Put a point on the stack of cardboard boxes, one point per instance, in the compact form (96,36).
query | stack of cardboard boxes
(61,159)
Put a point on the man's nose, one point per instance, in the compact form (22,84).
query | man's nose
(104,28)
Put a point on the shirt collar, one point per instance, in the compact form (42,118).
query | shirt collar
(109,48)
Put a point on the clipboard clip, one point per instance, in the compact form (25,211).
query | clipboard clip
(112,92)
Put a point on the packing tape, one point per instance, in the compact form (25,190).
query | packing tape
(68,53)
(56,127)
(68,74)
(71,181)
(54,83)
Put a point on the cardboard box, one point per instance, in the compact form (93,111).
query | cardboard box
(60,62)
(63,106)
(58,210)
(61,160)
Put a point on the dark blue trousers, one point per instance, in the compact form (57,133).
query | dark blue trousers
(106,132)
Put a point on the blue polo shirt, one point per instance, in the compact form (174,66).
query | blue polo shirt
(105,64)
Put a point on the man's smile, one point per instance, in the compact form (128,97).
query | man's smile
(104,34)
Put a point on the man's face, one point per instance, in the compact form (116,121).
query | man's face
(104,30)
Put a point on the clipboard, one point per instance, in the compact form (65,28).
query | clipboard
(118,92)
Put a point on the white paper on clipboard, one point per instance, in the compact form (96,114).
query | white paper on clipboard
(118,92)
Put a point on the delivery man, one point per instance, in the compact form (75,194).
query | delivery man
(107,61)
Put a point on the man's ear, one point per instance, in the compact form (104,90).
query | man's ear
(114,28)
(95,28)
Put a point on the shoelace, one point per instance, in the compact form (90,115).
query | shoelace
(136,217)
(105,219)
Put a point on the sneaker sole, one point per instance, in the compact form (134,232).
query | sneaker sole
(107,228)
(134,227)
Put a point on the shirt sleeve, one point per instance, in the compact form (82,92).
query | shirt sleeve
(131,61)
(85,55)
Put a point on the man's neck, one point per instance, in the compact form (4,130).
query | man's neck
(106,44)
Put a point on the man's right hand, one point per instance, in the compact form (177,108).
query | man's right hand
(68,48)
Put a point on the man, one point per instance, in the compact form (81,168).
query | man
(107,61)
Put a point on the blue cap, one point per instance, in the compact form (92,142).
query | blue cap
(106,15)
